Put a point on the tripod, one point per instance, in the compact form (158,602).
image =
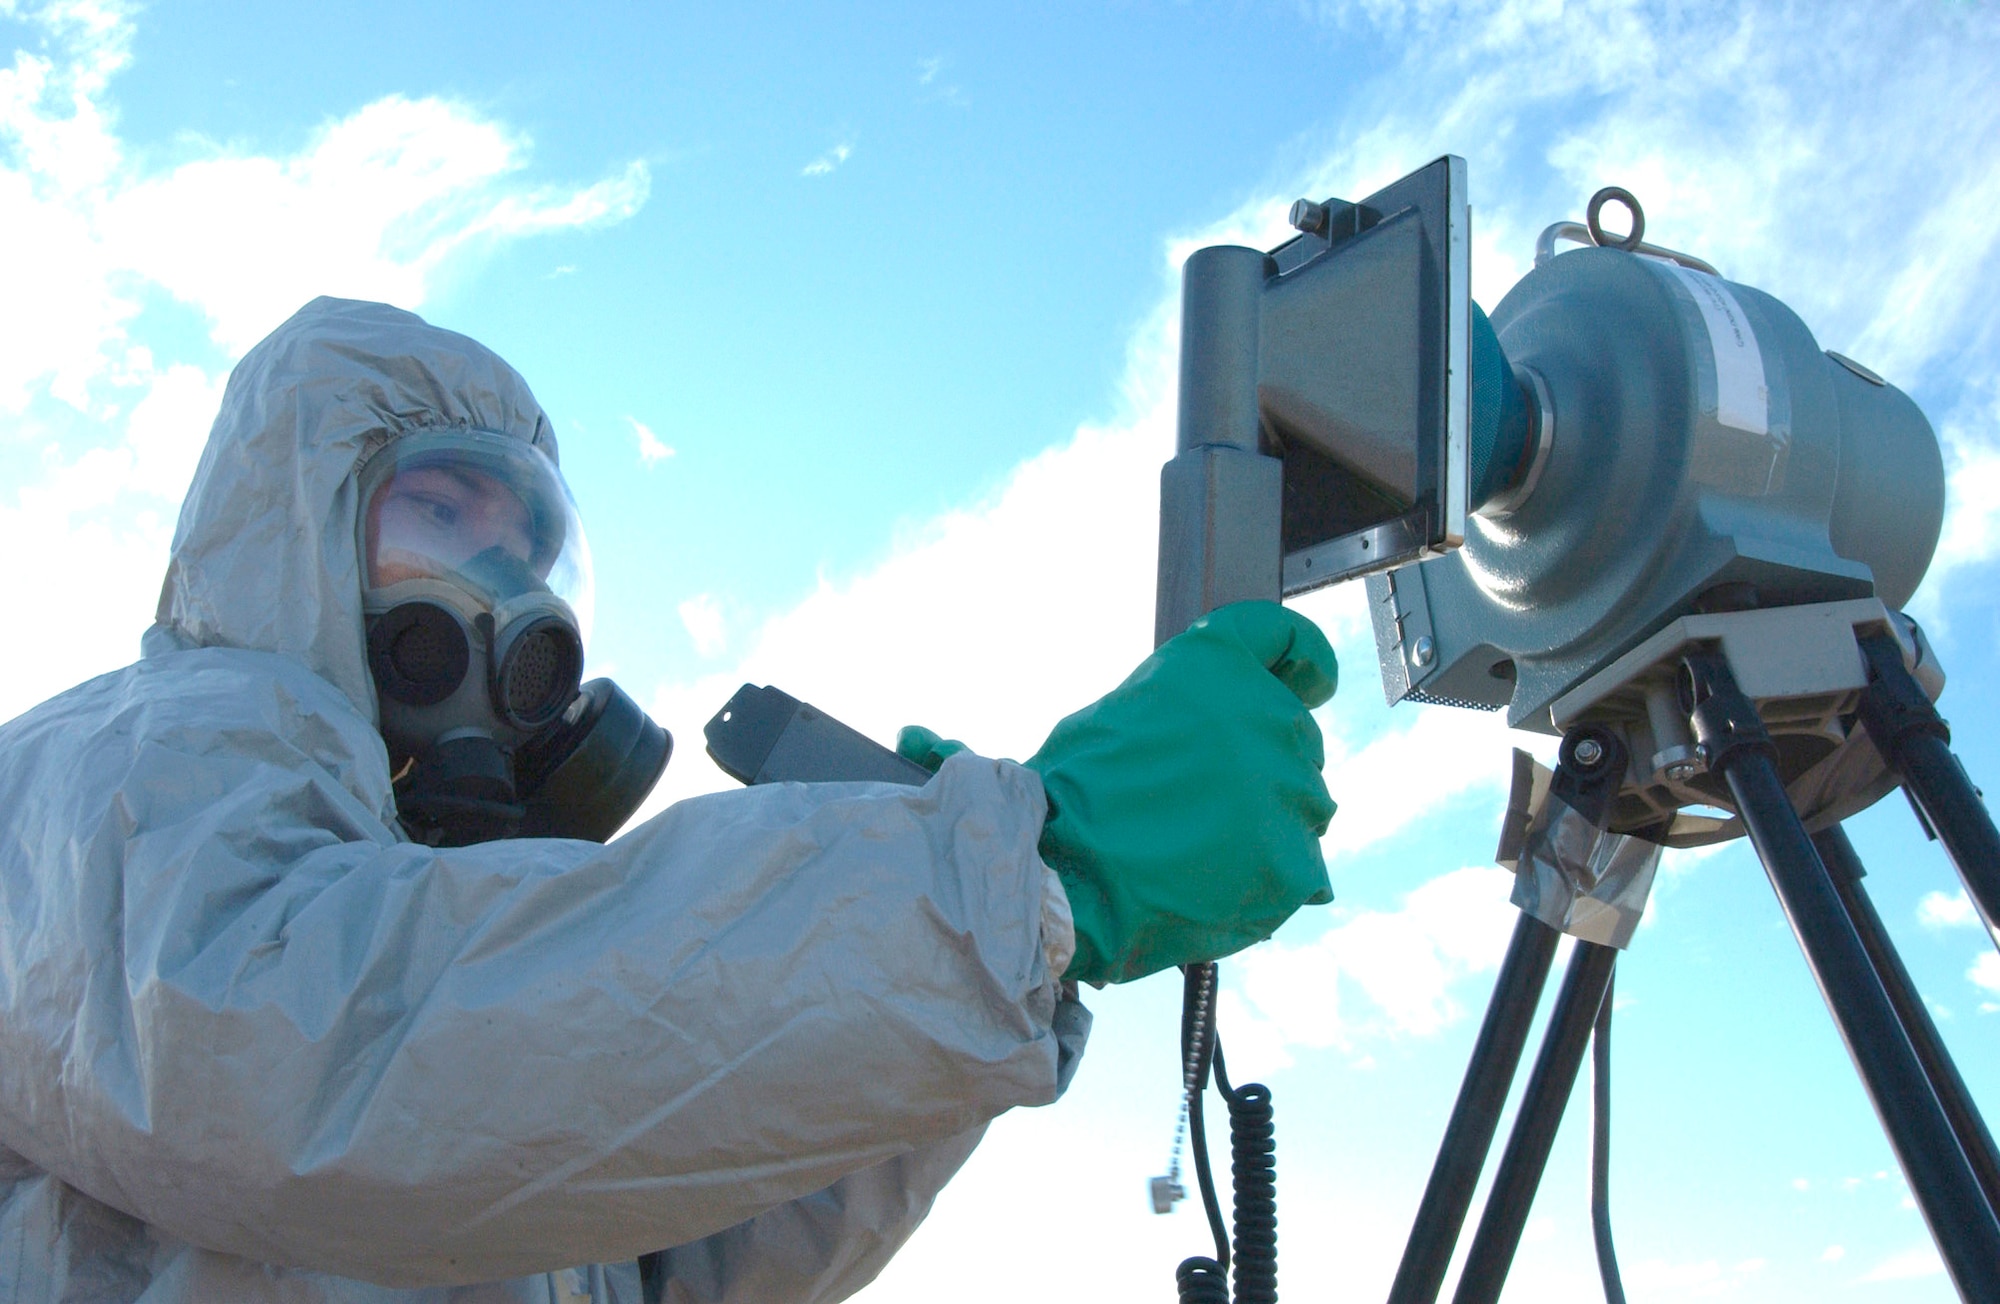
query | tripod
(1942,1144)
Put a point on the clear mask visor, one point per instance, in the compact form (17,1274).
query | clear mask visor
(467,506)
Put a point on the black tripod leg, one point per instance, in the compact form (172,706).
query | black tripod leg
(1961,1222)
(1959,1109)
(1542,1105)
(1913,738)
(1476,1116)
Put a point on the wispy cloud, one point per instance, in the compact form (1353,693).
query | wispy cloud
(373,205)
(652,449)
(1917,1261)
(1942,910)
(702,617)
(827,162)
(1402,964)
(1699,1279)
(1985,972)
(1947,910)
(929,77)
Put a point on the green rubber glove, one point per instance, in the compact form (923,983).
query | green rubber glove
(1186,805)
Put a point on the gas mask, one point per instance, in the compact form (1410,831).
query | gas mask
(476,591)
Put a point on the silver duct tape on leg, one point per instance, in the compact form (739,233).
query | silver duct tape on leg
(1568,873)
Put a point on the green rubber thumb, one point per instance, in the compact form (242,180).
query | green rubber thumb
(925,746)
(1285,643)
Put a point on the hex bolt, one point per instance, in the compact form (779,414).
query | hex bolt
(1308,216)
(1589,752)
(1423,650)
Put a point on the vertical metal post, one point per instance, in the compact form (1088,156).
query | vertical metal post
(1542,1105)
(1736,744)
(1222,289)
(1959,1108)
(1476,1115)
(1907,729)
(1221,498)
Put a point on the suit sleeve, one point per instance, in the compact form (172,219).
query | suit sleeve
(763,1026)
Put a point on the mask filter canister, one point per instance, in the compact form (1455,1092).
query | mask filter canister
(586,774)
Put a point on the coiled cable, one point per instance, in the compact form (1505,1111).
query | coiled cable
(1253,1173)
(1600,1152)
(1252,1169)
(1201,1280)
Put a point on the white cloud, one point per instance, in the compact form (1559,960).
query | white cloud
(1403,964)
(651,448)
(1917,1261)
(1833,1254)
(702,617)
(1702,1279)
(374,205)
(1400,775)
(370,209)
(828,161)
(56,153)
(1947,910)
(1971,438)
(1955,910)
(928,71)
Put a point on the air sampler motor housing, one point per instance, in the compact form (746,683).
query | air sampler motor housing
(1693,450)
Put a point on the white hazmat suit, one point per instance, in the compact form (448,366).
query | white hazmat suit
(257,1045)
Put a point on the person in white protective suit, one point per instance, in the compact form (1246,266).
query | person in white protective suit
(267,1033)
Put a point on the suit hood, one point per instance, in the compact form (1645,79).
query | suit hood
(265,555)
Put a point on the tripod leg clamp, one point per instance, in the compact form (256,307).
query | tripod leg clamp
(1725,720)
(1893,706)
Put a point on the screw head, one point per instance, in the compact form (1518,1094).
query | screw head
(1423,651)
(1589,752)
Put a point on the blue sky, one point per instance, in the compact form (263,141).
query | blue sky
(859,331)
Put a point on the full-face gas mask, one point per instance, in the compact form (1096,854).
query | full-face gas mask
(477,594)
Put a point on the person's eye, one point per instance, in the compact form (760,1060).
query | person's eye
(441,512)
